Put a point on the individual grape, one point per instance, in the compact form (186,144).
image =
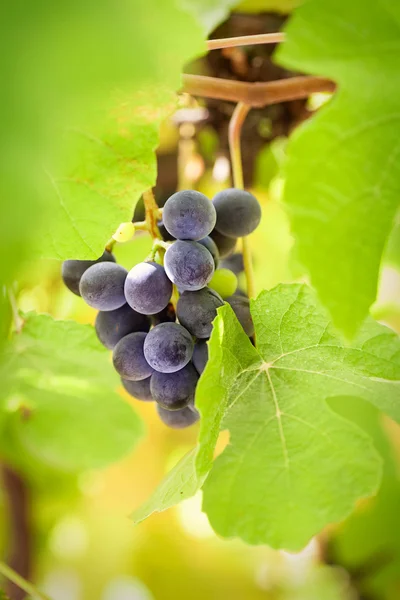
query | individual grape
(224,282)
(211,246)
(189,215)
(112,325)
(138,389)
(238,212)
(168,347)
(200,356)
(168,315)
(102,286)
(225,244)
(165,234)
(128,357)
(174,390)
(139,214)
(178,419)
(147,288)
(189,265)
(72,270)
(234,263)
(241,308)
(197,310)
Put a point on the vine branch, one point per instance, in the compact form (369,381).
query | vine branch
(152,212)
(246,40)
(235,128)
(256,95)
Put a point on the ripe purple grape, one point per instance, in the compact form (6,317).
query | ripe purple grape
(112,325)
(174,390)
(197,310)
(102,286)
(189,265)
(72,270)
(225,244)
(168,347)
(128,357)
(200,356)
(211,246)
(147,288)
(138,389)
(178,419)
(238,212)
(189,215)
(241,308)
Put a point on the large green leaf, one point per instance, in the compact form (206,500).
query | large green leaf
(292,464)
(343,178)
(58,393)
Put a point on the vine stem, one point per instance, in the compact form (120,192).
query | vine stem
(235,128)
(27,587)
(246,40)
(256,95)
(152,213)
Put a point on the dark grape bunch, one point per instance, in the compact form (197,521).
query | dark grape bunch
(160,350)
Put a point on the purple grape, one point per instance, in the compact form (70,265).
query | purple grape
(147,288)
(112,325)
(178,419)
(72,270)
(174,390)
(197,310)
(200,356)
(211,246)
(102,286)
(128,357)
(189,265)
(225,244)
(168,347)
(241,308)
(238,212)
(189,215)
(138,389)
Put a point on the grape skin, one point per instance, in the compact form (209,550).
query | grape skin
(200,356)
(225,244)
(189,265)
(111,326)
(189,215)
(102,286)
(197,310)
(211,246)
(72,270)
(128,357)
(138,389)
(234,263)
(174,390)
(168,347)
(178,419)
(166,236)
(238,212)
(147,288)
(241,308)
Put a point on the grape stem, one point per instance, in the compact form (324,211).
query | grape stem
(152,214)
(27,587)
(235,128)
(246,40)
(256,94)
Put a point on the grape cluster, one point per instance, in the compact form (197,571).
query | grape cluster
(160,351)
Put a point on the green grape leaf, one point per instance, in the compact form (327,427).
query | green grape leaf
(292,464)
(343,186)
(180,483)
(392,253)
(58,392)
(105,168)
(209,12)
